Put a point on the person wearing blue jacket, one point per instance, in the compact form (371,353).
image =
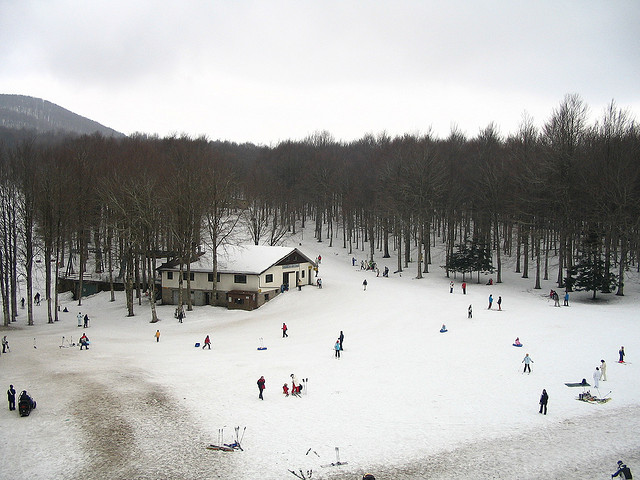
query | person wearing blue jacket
(490,301)
(623,471)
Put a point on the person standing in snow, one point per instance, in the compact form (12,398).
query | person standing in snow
(36,299)
(527,360)
(364,284)
(596,378)
(11,396)
(621,353)
(207,343)
(450,287)
(336,347)
(353,261)
(464,288)
(261,387)
(341,339)
(490,301)
(5,344)
(284,330)
(566,299)
(623,471)
(556,299)
(86,320)
(544,398)
(603,370)
(79,317)
(295,386)
(470,312)
(499,302)
(157,335)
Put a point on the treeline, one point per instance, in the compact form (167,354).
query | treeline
(570,191)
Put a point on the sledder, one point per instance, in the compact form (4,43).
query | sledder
(25,404)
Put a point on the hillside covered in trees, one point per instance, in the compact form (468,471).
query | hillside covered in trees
(29,114)
(570,190)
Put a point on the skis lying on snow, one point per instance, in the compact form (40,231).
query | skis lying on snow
(337,463)
(228,447)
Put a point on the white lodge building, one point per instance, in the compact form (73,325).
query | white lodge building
(248,276)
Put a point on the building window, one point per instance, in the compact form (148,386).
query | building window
(169,275)
(269,278)
(218,277)
(184,275)
(266,297)
(238,301)
(240,279)
(191,276)
(210,277)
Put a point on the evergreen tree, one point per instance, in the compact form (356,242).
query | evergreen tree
(471,256)
(589,272)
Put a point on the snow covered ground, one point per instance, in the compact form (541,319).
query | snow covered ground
(404,401)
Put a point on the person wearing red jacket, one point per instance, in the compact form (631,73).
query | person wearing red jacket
(261,387)
(284,330)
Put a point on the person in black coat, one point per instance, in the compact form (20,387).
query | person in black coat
(623,471)
(11,395)
(544,398)
(341,339)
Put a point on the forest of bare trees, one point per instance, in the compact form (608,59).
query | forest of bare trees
(569,191)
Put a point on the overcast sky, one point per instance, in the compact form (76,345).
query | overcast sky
(269,70)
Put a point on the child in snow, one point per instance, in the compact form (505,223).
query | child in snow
(621,353)
(443,329)
(157,335)
(499,303)
(364,284)
(84,342)
(566,299)
(527,360)
(603,370)
(517,342)
(285,390)
(336,347)
(450,287)
(490,301)
(470,312)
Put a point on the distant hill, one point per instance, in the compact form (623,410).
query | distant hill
(21,112)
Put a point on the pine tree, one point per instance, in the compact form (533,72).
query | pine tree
(589,272)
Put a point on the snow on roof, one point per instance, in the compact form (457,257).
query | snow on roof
(246,259)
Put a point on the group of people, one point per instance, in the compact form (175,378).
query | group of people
(499,302)
(83,321)
(338,345)
(296,387)
(464,287)
(556,298)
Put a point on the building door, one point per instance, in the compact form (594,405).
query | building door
(285,278)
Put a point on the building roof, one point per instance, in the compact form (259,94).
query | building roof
(243,259)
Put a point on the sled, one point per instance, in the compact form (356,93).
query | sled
(222,448)
(521,345)
(588,398)
(197,344)
(577,385)
(262,347)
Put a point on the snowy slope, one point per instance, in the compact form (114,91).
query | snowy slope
(404,401)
